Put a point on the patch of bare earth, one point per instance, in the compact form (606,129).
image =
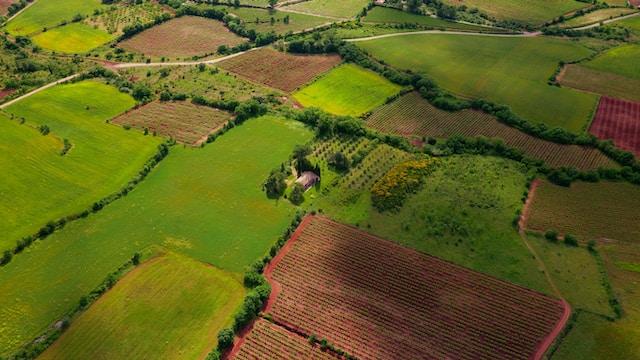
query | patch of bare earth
(183,36)
(183,121)
(4,6)
(280,70)
(377,300)
(6,92)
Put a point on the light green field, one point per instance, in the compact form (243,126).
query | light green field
(393,16)
(343,9)
(596,16)
(170,307)
(48,13)
(529,12)
(73,38)
(622,60)
(206,203)
(38,184)
(632,23)
(463,214)
(260,20)
(510,71)
(347,90)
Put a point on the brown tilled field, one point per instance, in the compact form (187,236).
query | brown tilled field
(377,300)
(280,70)
(183,36)
(4,5)
(183,121)
(270,341)
(412,115)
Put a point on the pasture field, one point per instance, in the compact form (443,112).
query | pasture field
(73,38)
(260,20)
(568,265)
(413,116)
(183,121)
(50,13)
(276,343)
(185,36)
(342,9)
(347,90)
(510,71)
(632,24)
(280,70)
(117,17)
(600,82)
(170,307)
(39,184)
(618,120)
(622,60)
(384,15)
(463,213)
(528,12)
(212,83)
(588,210)
(185,205)
(596,16)
(433,306)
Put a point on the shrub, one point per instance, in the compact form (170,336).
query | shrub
(389,192)
(570,240)
(297,194)
(225,339)
(551,235)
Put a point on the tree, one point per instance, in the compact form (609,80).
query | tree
(297,194)
(273,3)
(570,240)
(300,153)
(141,92)
(339,162)
(225,339)
(275,184)
(135,260)
(6,257)
(551,235)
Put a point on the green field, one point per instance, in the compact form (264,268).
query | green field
(632,24)
(40,185)
(596,16)
(384,15)
(48,13)
(529,12)
(343,9)
(73,38)
(347,90)
(588,210)
(622,60)
(170,307)
(260,20)
(206,203)
(510,71)
(463,214)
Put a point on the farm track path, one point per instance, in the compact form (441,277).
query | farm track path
(609,21)
(19,12)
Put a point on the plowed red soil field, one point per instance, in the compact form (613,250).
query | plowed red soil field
(280,70)
(270,341)
(377,300)
(618,120)
(183,36)
(183,121)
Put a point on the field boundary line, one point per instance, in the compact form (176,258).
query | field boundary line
(42,88)
(605,22)
(430,32)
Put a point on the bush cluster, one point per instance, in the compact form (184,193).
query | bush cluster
(389,192)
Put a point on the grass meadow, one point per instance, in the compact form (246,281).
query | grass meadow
(347,90)
(206,203)
(170,307)
(510,71)
(39,184)
(596,16)
(74,38)
(344,9)
(48,13)
(529,12)
(622,60)
(260,19)
(384,15)
(463,214)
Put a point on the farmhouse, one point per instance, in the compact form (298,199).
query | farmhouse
(307,179)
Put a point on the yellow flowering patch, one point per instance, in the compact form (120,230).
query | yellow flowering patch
(390,191)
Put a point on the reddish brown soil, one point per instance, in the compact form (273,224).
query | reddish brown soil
(526,209)
(270,341)
(183,121)
(183,36)
(378,300)
(618,120)
(6,92)
(635,3)
(280,70)
(4,5)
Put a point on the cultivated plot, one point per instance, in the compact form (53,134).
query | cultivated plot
(529,12)
(377,300)
(385,15)
(280,70)
(510,71)
(45,14)
(72,38)
(600,82)
(206,203)
(280,22)
(412,116)
(347,90)
(180,120)
(603,210)
(622,60)
(170,307)
(183,36)
(619,121)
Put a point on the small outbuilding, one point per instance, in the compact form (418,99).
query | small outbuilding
(307,179)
